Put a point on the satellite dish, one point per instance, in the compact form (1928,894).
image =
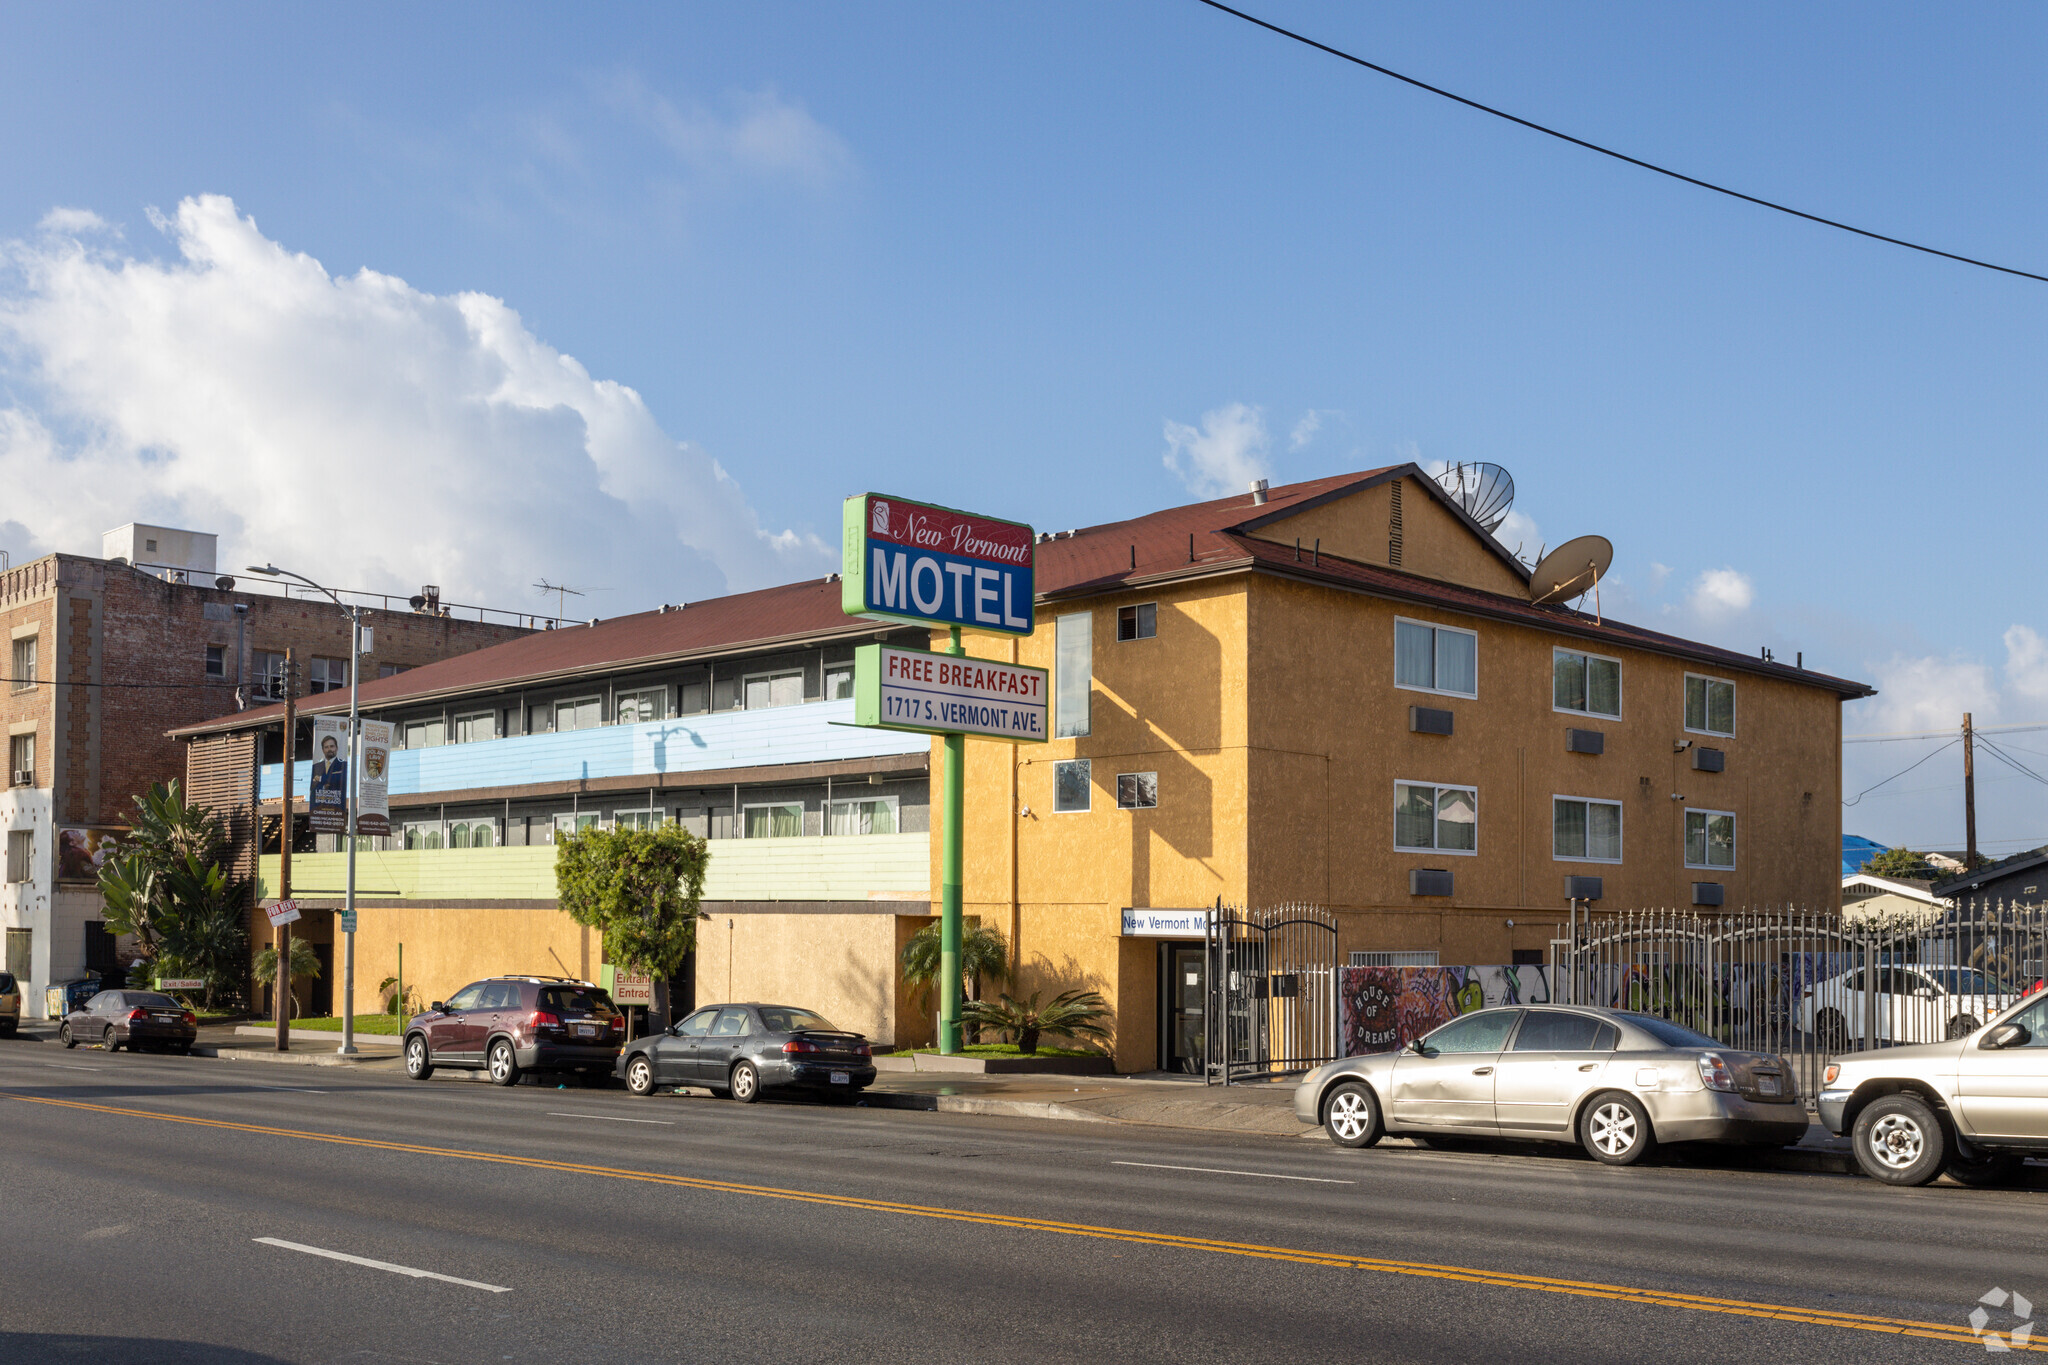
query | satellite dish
(1571,570)
(1485,491)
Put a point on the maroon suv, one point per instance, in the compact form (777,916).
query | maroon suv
(512,1024)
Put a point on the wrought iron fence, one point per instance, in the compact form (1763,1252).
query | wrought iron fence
(1272,992)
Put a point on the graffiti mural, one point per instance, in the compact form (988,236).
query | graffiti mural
(1386,1007)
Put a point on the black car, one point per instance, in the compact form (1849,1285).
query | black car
(136,1020)
(743,1050)
(513,1024)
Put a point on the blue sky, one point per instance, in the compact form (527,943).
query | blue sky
(1005,256)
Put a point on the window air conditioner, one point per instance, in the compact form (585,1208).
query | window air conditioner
(24,778)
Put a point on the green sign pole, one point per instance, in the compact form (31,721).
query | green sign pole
(950,879)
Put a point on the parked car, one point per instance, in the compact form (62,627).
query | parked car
(509,1025)
(744,1050)
(1971,1108)
(136,1020)
(1906,1003)
(10,1005)
(1616,1082)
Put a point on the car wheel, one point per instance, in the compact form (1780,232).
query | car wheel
(640,1075)
(1899,1140)
(839,1095)
(504,1066)
(746,1083)
(1615,1129)
(1351,1116)
(64,1036)
(1831,1030)
(1962,1026)
(419,1063)
(1985,1172)
(107,1042)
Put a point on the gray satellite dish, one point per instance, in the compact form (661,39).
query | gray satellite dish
(1485,491)
(1571,570)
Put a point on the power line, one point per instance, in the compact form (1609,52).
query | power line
(1618,156)
(1903,771)
(1938,734)
(2009,761)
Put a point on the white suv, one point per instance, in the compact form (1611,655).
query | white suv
(10,1005)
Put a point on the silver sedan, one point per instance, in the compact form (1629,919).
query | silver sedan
(1616,1082)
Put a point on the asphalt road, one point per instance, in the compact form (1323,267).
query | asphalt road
(136,1194)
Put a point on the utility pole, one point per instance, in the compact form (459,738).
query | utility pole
(1969,796)
(282,981)
(348,834)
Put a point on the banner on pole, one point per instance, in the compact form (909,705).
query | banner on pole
(373,790)
(912,561)
(949,694)
(327,789)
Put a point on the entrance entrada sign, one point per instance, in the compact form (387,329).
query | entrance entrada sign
(911,561)
(914,689)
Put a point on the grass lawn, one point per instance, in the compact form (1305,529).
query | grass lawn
(1000,1050)
(365,1023)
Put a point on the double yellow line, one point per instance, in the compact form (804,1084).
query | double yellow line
(1656,1298)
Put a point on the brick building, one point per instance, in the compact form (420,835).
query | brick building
(107,654)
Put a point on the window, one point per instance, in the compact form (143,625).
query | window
(577,822)
(473,834)
(21,760)
(636,819)
(649,703)
(266,667)
(1137,791)
(475,726)
(1709,838)
(1556,1031)
(1585,830)
(1436,658)
(1709,705)
(732,1023)
(327,675)
(391,670)
(1073,668)
(579,713)
(697,1025)
(1486,1031)
(1070,785)
(838,683)
(21,855)
(1427,816)
(148,546)
(783,820)
(425,835)
(24,673)
(695,698)
(774,689)
(870,815)
(1137,623)
(216,661)
(426,734)
(467,998)
(1585,683)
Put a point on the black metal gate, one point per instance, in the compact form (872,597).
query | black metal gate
(1272,1008)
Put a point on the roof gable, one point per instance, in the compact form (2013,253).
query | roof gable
(1402,519)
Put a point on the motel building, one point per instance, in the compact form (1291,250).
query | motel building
(1337,693)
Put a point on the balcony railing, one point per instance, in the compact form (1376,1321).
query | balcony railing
(813,732)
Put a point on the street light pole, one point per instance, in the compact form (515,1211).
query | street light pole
(352,801)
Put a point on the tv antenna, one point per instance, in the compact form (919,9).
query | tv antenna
(563,592)
(1485,491)
(1572,570)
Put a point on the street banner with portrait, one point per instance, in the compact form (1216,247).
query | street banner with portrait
(373,790)
(327,789)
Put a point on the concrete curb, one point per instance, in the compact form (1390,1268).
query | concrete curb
(314,1035)
(250,1054)
(967,1104)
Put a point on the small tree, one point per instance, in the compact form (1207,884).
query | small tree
(639,888)
(984,956)
(1901,862)
(305,966)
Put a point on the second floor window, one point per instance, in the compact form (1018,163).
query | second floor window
(1436,658)
(326,675)
(21,854)
(779,821)
(266,670)
(1585,830)
(1709,705)
(869,815)
(24,661)
(1586,683)
(649,703)
(390,670)
(579,713)
(1071,786)
(425,734)
(838,682)
(1137,623)
(774,689)
(636,819)
(21,760)
(1444,819)
(1073,674)
(1710,839)
(216,661)
(475,726)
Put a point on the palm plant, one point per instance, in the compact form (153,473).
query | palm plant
(983,956)
(1075,1014)
(304,964)
(166,888)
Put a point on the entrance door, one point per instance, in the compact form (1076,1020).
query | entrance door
(1183,989)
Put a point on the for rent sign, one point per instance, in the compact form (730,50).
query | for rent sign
(913,689)
(912,561)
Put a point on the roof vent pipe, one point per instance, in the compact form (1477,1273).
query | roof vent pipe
(1258,492)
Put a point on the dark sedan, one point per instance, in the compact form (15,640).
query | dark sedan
(744,1050)
(136,1020)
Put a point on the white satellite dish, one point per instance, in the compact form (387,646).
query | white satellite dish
(1485,491)
(1572,570)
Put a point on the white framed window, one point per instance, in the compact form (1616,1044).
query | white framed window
(641,705)
(475,726)
(575,822)
(266,673)
(1073,673)
(426,734)
(763,690)
(1710,839)
(772,820)
(473,833)
(1585,684)
(1137,791)
(1137,623)
(1410,957)
(866,815)
(21,855)
(1070,786)
(216,661)
(24,661)
(579,713)
(1709,705)
(1433,658)
(838,682)
(638,819)
(326,675)
(423,834)
(21,760)
(1431,817)
(1585,829)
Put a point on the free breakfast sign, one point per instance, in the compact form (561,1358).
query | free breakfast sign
(911,561)
(949,694)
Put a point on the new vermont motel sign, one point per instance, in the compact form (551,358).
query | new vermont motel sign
(911,561)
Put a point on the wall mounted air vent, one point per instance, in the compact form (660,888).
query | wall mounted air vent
(1710,760)
(1706,893)
(1429,720)
(1585,741)
(1429,881)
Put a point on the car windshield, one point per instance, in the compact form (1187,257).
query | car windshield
(152,1000)
(1668,1033)
(577,1002)
(1962,980)
(778,1019)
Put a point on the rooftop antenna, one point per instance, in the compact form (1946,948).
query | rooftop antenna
(1485,491)
(1572,570)
(562,593)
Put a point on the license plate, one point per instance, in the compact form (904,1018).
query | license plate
(585,1031)
(1767,1085)
(166,1018)
(841,1078)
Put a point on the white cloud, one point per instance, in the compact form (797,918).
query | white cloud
(762,134)
(1718,594)
(1519,532)
(1224,456)
(1658,574)
(1305,430)
(354,429)
(1927,692)
(74,222)
(2026,662)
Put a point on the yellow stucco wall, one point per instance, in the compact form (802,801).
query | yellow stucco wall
(1434,543)
(841,965)
(447,948)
